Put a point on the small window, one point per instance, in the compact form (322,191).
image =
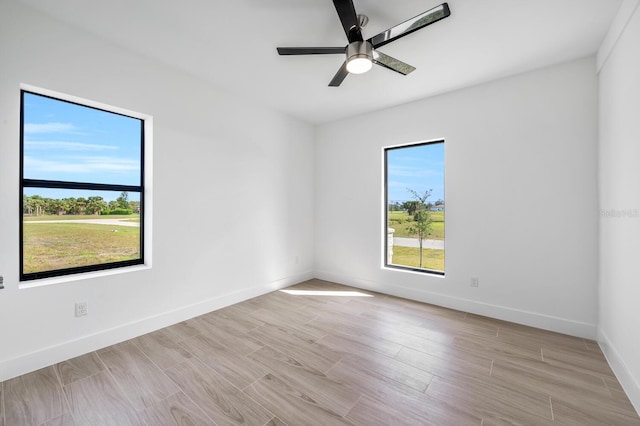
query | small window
(81,187)
(415,207)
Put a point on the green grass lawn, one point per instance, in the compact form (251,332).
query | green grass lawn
(401,221)
(410,256)
(51,246)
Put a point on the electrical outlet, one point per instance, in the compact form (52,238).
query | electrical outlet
(81,309)
(475,282)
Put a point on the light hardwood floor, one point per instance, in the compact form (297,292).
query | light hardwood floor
(322,354)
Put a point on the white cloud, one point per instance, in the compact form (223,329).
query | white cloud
(408,171)
(52,127)
(79,165)
(110,164)
(66,146)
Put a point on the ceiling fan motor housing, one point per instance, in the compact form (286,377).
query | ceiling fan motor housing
(360,50)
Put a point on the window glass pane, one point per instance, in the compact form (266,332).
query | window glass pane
(82,188)
(415,207)
(65,228)
(73,143)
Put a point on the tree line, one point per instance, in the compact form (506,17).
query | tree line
(35,205)
(413,205)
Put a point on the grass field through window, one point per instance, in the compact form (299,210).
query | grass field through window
(64,244)
(409,256)
(400,221)
(432,259)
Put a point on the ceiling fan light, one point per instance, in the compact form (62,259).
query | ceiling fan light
(359,65)
(359,57)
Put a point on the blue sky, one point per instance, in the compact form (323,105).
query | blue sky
(419,167)
(69,142)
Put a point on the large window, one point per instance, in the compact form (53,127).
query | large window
(415,207)
(81,187)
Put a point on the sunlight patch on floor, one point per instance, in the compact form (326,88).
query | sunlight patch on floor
(325,293)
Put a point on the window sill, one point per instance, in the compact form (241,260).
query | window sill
(415,271)
(81,276)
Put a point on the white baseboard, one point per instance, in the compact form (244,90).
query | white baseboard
(532,319)
(619,367)
(82,345)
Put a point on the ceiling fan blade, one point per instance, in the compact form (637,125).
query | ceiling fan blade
(347,13)
(411,25)
(310,50)
(340,76)
(393,64)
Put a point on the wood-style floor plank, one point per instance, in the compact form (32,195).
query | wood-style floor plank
(232,320)
(221,401)
(297,345)
(176,409)
(34,398)
(386,396)
(373,384)
(359,344)
(292,405)
(182,330)
(232,340)
(78,368)
(162,349)
(430,311)
(369,411)
(387,369)
(293,320)
(234,367)
(322,353)
(97,400)
(276,422)
(358,326)
(343,306)
(63,420)
(578,360)
(141,381)
(495,349)
(491,400)
(453,364)
(327,392)
(553,380)
(275,301)
(419,324)
(533,337)
(591,414)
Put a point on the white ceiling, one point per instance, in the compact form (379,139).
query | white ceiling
(233,44)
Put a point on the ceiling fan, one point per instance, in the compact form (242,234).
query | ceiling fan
(362,54)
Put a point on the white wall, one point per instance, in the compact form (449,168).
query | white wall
(245,173)
(619,156)
(521,196)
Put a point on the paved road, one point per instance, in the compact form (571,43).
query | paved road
(413,242)
(112,222)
